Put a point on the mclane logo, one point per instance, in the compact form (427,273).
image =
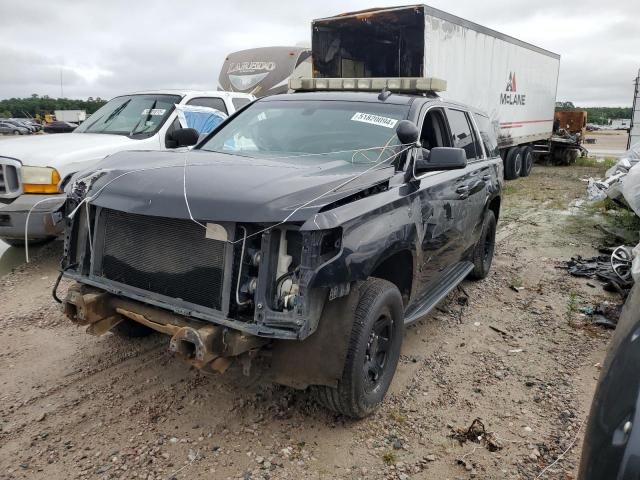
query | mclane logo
(250,67)
(510,97)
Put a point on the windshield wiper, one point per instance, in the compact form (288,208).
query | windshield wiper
(111,116)
(146,119)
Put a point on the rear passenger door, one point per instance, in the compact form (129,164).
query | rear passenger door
(472,186)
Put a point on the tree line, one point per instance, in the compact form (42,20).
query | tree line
(36,105)
(597,115)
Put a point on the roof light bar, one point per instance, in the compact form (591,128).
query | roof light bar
(395,84)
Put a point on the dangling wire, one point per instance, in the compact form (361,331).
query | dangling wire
(89,198)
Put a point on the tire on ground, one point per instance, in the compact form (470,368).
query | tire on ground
(359,392)
(483,251)
(513,163)
(527,161)
(571,155)
(130,329)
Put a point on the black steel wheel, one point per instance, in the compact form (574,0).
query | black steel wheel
(378,351)
(373,352)
(483,252)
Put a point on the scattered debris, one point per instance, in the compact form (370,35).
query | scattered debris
(602,268)
(605,315)
(478,434)
(500,331)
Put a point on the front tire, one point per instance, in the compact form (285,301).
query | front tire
(484,249)
(373,352)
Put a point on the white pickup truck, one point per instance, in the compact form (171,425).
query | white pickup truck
(34,170)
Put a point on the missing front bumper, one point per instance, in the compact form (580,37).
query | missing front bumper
(207,347)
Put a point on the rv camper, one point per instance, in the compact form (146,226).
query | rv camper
(264,71)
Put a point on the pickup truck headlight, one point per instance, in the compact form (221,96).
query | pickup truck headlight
(40,180)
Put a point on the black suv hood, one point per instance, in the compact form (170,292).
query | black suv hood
(225,188)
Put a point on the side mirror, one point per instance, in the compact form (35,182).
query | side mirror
(185,137)
(407,132)
(440,158)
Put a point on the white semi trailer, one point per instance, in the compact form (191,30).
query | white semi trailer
(512,81)
(74,116)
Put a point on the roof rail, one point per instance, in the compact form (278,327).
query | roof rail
(394,84)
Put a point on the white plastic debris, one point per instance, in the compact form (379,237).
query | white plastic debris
(635,264)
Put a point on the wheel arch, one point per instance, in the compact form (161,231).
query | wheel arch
(494,205)
(396,267)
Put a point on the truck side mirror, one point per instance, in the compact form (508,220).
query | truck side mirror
(185,137)
(407,132)
(438,159)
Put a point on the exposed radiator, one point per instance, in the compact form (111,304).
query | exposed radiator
(170,257)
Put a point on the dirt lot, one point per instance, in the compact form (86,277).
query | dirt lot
(522,360)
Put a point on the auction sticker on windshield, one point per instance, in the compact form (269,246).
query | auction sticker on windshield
(154,111)
(374,119)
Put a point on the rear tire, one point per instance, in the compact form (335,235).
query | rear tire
(513,164)
(373,352)
(527,161)
(17,132)
(484,249)
(130,329)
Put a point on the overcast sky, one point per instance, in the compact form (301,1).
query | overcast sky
(108,48)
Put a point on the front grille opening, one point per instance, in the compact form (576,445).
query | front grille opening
(9,182)
(170,257)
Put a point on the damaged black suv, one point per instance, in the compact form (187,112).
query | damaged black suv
(296,241)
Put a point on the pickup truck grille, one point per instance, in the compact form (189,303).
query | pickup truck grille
(9,178)
(166,256)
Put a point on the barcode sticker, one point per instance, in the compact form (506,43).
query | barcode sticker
(374,119)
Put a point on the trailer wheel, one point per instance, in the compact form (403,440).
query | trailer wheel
(513,163)
(527,161)
(571,156)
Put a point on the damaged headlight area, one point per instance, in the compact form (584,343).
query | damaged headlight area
(254,278)
(275,274)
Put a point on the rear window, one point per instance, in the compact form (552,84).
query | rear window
(238,103)
(487,134)
(210,102)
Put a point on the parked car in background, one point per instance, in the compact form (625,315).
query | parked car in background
(21,123)
(17,124)
(43,164)
(29,123)
(60,127)
(11,129)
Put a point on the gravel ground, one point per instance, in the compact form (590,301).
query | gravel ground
(511,351)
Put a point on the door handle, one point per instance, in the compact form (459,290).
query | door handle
(486,178)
